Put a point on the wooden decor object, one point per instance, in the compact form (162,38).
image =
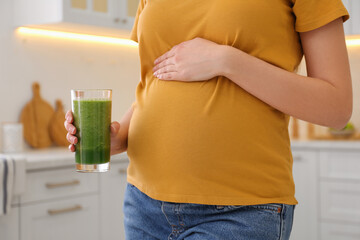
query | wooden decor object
(295,128)
(35,118)
(56,128)
(310,130)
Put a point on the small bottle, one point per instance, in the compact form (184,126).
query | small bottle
(12,137)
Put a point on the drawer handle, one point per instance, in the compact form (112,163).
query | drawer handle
(122,171)
(62,184)
(64,210)
(297,158)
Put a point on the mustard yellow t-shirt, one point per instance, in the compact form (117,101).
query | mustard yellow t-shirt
(211,142)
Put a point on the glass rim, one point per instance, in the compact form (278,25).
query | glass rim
(89,90)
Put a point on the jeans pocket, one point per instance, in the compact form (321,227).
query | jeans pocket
(272,207)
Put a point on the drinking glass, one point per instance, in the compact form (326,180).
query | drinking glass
(92,118)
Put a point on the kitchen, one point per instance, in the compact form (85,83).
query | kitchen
(325,171)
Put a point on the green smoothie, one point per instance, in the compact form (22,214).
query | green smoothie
(92,120)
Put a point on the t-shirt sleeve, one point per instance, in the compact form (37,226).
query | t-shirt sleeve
(312,14)
(133,34)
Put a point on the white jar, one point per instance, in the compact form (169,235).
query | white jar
(12,137)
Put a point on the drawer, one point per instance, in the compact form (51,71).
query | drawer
(336,231)
(70,219)
(9,225)
(340,201)
(53,184)
(340,164)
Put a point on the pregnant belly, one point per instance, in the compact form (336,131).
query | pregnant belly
(193,120)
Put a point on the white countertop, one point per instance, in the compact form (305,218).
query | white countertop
(324,144)
(55,157)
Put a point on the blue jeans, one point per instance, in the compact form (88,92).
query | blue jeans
(150,219)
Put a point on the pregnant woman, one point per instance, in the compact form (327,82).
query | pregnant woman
(207,136)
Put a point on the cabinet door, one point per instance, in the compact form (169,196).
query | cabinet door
(306,212)
(128,10)
(70,219)
(112,187)
(340,165)
(352,26)
(53,184)
(336,231)
(340,201)
(112,14)
(348,24)
(9,225)
(104,13)
(355,16)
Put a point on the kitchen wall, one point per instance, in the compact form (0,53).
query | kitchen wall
(60,65)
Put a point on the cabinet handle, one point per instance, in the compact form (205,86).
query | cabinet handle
(118,20)
(122,171)
(62,184)
(64,210)
(297,158)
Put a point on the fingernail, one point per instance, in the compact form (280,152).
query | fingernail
(73,130)
(112,129)
(68,119)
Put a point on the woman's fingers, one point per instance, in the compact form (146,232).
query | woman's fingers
(114,128)
(69,116)
(68,123)
(165,69)
(71,138)
(70,128)
(167,62)
(72,147)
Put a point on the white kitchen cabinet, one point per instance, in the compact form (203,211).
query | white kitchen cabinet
(117,14)
(340,201)
(340,194)
(9,225)
(334,231)
(112,188)
(305,224)
(70,219)
(352,26)
(60,204)
(56,183)
(340,165)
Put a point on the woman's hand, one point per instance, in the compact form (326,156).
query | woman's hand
(194,60)
(70,136)
(117,143)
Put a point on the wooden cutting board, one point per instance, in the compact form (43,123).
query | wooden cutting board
(56,127)
(35,118)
